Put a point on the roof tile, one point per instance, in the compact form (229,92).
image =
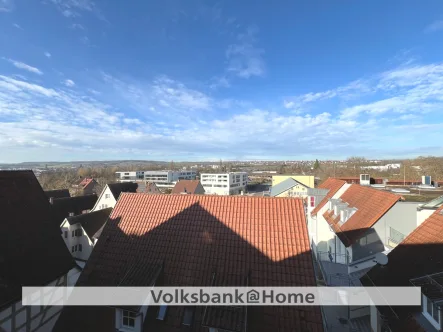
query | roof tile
(371,205)
(194,235)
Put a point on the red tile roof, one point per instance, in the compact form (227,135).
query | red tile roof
(333,185)
(371,205)
(194,236)
(420,254)
(188,186)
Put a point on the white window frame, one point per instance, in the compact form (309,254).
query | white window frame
(128,314)
(107,195)
(429,317)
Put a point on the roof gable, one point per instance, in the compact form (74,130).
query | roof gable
(371,205)
(118,188)
(188,186)
(32,252)
(285,185)
(333,185)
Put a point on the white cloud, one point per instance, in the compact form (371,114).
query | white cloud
(69,83)
(132,121)
(244,58)
(77,26)
(17,26)
(24,66)
(165,118)
(434,26)
(47,54)
(219,82)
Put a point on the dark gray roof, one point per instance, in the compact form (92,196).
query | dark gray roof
(283,186)
(92,221)
(58,193)
(124,187)
(62,207)
(32,252)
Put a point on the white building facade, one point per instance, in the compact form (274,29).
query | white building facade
(233,183)
(168,179)
(130,176)
(163,179)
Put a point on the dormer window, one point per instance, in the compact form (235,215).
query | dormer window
(128,319)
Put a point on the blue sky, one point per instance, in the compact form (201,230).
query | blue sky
(201,80)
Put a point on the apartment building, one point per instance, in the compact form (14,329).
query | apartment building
(163,179)
(232,183)
(130,176)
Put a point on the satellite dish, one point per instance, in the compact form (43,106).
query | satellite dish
(381,258)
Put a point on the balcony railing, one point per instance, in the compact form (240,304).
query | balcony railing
(395,236)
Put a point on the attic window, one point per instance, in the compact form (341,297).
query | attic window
(128,318)
(188,315)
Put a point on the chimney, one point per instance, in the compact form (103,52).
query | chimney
(71,214)
(51,200)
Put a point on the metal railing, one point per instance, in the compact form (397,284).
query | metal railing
(395,236)
(334,257)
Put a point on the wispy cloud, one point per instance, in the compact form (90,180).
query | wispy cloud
(85,40)
(17,26)
(435,26)
(47,54)
(245,59)
(75,8)
(220,82)
(24,66)
(77,26)
(69,83)
(6,5)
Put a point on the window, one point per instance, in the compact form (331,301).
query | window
(128,318)
(188,315)
(162,312)
(79,247)
(78,232)
(75,248)
(73,233)
(431,312)
(107,195)
(72,249)
(66,234)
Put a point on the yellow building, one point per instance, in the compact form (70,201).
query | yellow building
(289,188)
(307,180)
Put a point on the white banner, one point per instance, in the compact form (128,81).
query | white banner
(221,296)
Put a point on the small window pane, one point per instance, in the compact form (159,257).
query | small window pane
(429,306)
(162,312)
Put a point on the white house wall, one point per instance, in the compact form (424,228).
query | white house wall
(106,200)
(423,215)
(72,241)
(323,233)
(402,217)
